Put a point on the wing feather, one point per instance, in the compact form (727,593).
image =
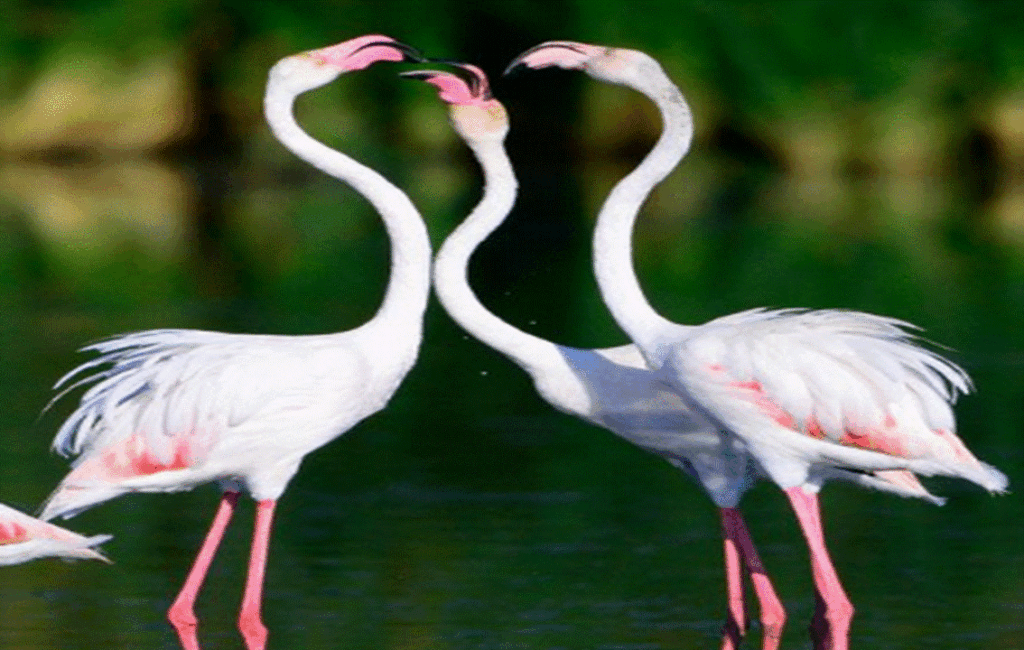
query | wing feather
(846,378)
(122,400)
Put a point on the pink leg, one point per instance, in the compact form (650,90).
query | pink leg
(819,628)
(838,610)
(250,622)
(181,613)
(773,615)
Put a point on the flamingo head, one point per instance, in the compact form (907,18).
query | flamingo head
(475,114)
(611,64)
(314,68)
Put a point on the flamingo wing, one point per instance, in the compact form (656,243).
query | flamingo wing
(840,388)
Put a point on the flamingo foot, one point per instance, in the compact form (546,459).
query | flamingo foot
(253,630)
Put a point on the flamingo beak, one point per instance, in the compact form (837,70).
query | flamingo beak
(564,54)
(468,84)
(474,77)
(409,53)
(359,53)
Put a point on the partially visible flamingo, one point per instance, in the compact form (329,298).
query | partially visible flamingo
(800,396)
(24,538)
(177,408)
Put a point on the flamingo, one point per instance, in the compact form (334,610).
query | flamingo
(177,408)
(609,387)
(24,538)
(799,396)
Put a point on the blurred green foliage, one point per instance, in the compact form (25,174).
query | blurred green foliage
(852,89)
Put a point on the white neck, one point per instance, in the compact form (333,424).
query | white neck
(613,254)
(451,266)
(405,299)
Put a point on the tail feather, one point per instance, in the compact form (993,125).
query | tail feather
(894,481)
(69,500)
(991,479)
(40,548)
(909,485)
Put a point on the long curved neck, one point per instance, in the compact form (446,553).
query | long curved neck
(613,252)
(405,299)
(451,266)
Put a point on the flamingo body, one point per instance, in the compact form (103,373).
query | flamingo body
(179,408)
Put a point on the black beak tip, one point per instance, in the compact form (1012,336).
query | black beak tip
(409,53)
(421,75)
(514,69)
(442,61)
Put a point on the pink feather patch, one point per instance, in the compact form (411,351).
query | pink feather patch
(133,458)
(885,439)
(767,406)
(12,533)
